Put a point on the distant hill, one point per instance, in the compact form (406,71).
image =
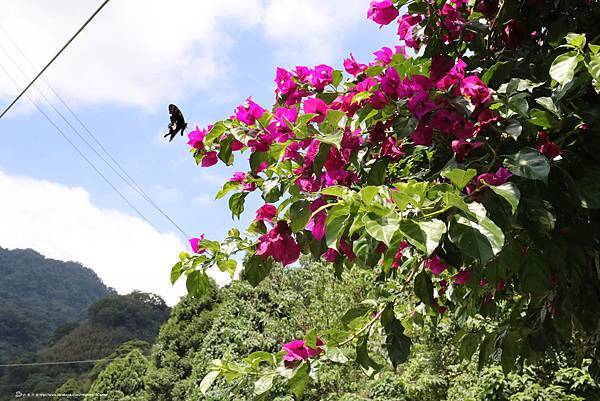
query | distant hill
(114,326)
(39,295)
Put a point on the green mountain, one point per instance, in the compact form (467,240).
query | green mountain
(131,320)
(37,296)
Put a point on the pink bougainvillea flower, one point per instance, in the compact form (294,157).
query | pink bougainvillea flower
(390,82)
(209,159)
(420,104)
(266,212)
(316,106)
(498,178)
(501,286)
(321,76)
(423,134)
(435,264)
(303,73)
(462,148)
(384,55)
(346,250)
(353,67)
(296,350)
(196,138)
(417,83)
(399,254)
(248,113)
(441,64)
(488,8)
(513,34)
(473,88)
(316,225)
(547,147)
(330,255)
(194,243)
(406,28)
(382,12)
(462,277)
(238,176)
(284,81)
(279,244)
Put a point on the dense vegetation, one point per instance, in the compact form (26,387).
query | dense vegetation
(237,320)
(38,296)
(115,325)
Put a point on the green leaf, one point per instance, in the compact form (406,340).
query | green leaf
(299,380)
(361,96)
(396,343)
(468,345)
(513,128)
(424,288)
(376,175)
(358,312)
(424,235)
(336,218)
(336,77)
(382,228)
(271,190)
(548,104)
(227,266)
(511,348)
(256,269)
(310,339)
(300,213)
(208,380)
(336,190)
(227,187)
(543,119)
(477,237)
(528,163)
(320,159)
(176,272)
(588,190)
(263,384)
(215,132)
(576,40)
(535,275)
(368,365)
(334,354)
(236,204)
(563,67)
(459,177)
(225,153)
(197,283)
(509,192)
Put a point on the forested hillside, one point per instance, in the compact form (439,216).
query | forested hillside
(133,320)
(37,296)
(237,320)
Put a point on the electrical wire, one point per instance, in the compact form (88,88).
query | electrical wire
(55,57)
(14,365)
(140,214)
(124,175)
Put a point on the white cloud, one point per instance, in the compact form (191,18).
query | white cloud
(135,52)
(148,52)
(310,31)
(62,223)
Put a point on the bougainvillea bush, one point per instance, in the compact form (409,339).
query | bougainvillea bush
(462,164)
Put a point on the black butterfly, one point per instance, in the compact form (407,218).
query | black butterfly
(177,122)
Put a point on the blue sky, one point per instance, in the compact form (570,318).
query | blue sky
(119,76)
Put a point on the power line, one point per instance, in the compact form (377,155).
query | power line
(129,180)
(14,365)
(55,57)
(85,157)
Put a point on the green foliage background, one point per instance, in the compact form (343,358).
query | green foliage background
(239,319)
